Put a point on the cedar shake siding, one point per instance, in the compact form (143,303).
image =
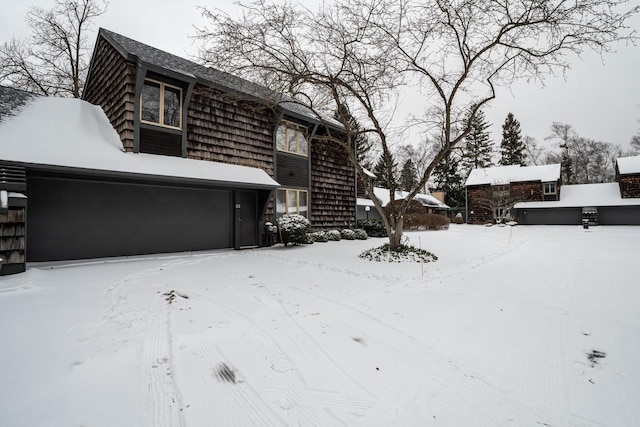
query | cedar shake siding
(332,187)
(477,213)
(112,86)
(629,186)
(223,129)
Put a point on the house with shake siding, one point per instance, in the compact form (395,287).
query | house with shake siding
(534,195)
(161,155)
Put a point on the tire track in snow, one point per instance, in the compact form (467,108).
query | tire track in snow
(291,398)
(162,399)
(254,407)
(461,384)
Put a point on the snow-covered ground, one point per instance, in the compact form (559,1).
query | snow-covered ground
(504,329)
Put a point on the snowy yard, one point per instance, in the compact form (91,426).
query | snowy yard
(522,326)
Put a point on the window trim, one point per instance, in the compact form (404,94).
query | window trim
(286,201)
(298,128)
(548,193)
(160,122)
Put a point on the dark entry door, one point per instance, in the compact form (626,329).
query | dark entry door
(246,219)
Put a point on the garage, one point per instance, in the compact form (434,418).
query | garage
(81,218)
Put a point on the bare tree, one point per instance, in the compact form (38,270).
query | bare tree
(360,53)
(533,151)
(53,60)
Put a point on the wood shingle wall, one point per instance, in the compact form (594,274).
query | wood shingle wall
(629,186)
(12,240)
(113,88)
(333,198)
(223,129)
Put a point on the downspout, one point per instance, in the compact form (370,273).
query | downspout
(140,74)
(185,111)
(310,197)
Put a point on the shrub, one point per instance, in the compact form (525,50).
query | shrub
(320,236)
(373,227)
(403,253)
(425,222)
(334,235)
(360,234)
(294,229)
(309,239)
(458,218)
(348,234)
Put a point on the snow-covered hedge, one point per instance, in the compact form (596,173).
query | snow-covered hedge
(334,235)
(320,236)
(294,229)
(348,234)
(360,234)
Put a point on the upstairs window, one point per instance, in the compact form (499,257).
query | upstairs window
(292,138)
(161,104)
(549,188)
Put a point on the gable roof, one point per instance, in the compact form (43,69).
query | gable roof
(628,165)
(514,173)
(137,52)
(70,134)
(584,195)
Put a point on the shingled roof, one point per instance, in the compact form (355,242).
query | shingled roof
(12,100)
(138,52)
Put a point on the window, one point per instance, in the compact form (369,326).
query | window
(292,138)
(549,187)
(161,104)
(290,201)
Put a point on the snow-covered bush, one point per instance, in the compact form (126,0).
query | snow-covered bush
(373,227)
(294,229)
(334,235)
(309,239)
(360,234)
(402,253)
(320,236)
(458,218)
(348,234)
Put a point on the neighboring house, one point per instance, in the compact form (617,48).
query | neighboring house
(612,203)
(382,194)
(176,157)
(599,203)
(491,193)
(628,176)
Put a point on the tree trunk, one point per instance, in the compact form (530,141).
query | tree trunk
(395,233)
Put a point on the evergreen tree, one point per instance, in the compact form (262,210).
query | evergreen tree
(359,139)
(512,148)
(408,176)
(478,145)
(447,178)
(384,171)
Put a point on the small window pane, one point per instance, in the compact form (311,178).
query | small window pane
(292,144)
(281,206)
(292,201)
(302,141)
(281,143)
(172,107)
(302,203)
(151,102)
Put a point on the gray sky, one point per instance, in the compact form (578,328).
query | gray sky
(600,98)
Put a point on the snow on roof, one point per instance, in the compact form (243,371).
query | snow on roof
(629,164)
(72,133)
(384,196)
(369,173)
(581,195)
(513,173)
